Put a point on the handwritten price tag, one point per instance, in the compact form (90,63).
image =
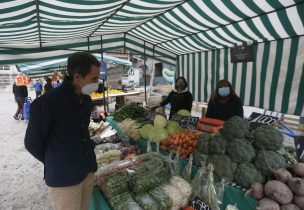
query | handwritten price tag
(185,122)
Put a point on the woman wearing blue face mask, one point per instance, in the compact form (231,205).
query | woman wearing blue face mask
(224,103)
(180,97)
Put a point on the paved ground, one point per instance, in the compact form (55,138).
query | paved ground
(21,176)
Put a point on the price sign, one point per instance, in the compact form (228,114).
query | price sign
(256,119)
(299,144)
(186,122)
(198,204)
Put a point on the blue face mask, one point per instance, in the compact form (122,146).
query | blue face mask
(224,91)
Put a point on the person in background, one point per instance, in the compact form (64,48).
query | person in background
(20,93)
(57,84)
(224,103)
(48,86)
(180,97)
(58,135)
(38,88)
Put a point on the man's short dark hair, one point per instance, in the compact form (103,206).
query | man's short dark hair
(81,62)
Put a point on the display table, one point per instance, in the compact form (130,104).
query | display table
(116,95)
(232,195)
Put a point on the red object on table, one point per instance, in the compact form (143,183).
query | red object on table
(209,125)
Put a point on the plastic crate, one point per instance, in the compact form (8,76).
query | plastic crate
(209,125)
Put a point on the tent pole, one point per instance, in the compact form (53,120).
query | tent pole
(145,71)
(103,80)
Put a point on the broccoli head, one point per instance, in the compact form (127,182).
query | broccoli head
(246,174)
(217,144)
(203,143)
(267,161)
(268,138)
(199,157)
(235,127)
(240,151)
(223,166)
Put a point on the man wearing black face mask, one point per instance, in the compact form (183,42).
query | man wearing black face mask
(180,98)
(58,135)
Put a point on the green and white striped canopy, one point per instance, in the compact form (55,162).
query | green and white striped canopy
(172,31)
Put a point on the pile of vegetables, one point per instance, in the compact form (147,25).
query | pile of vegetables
(286,192)
(130,128)
(240,155)
(109,156)
(183,143)
(131,111)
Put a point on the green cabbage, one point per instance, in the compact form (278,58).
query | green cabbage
(173,130)
(144,131)
(184,112)
(160,121)
(157,134)
(171,123)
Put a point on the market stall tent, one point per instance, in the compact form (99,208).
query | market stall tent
(194,35)
(46,68)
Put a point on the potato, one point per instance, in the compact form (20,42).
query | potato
(278,191)
(256,190)
(267,204)
(298,168)
(282,175)
(299,201)
(296,185)
(289,206)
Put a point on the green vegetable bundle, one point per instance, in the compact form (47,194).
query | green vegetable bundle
(146,202)
(161,197)
(115,184)
(130,110)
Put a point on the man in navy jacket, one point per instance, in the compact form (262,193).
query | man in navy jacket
(58,136)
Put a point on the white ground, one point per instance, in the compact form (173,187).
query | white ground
(21,176)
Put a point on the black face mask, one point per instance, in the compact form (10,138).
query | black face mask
(181,86)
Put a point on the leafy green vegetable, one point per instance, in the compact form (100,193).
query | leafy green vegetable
(268,138)
(144,130)
(161,197)
(160,121)
(157,134)
(130,110)
(146,202)
(223,166)
(267,161)
(235,127)
(240,151)
(184,112)
(217,144)
(203,143)
(246,174)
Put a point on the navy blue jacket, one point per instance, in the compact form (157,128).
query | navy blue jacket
(58,136)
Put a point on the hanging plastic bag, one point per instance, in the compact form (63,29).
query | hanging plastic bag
(209,195)
(199,181)
(188,169)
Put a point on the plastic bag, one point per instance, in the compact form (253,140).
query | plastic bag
(161,197)
(173,164)
(146,202)
(199,181)
(149,147)
(129,205)
(175,195)
(120,199)
(188,169)
(209,195)
(183,187)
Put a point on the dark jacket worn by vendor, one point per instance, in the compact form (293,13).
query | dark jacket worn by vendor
(180,98)
(224,103)
(58,135)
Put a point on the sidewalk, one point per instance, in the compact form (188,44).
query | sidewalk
(21,176)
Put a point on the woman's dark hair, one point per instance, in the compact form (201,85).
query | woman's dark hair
(184,80)
(216,96)
(81,62)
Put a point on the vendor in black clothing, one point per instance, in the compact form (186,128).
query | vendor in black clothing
(180,98)
(48,86)
(224,103)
